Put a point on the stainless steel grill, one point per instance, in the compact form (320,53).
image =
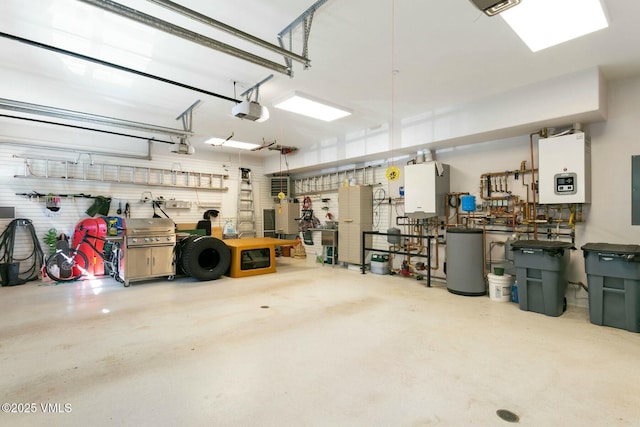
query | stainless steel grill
(150,232)
(149,249)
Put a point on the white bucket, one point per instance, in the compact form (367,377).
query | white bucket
(500,287)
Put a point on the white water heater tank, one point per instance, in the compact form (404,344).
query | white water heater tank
(564,169)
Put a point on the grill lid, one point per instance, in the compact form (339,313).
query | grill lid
(149,226)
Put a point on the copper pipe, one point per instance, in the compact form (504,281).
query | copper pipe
(484,250)
(437,246)
(527,210)
(533,187)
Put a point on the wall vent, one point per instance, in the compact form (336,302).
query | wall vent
(279,184)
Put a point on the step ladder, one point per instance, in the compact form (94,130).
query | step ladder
(246,224)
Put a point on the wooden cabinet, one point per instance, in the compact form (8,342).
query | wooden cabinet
(287,217)
(355,215)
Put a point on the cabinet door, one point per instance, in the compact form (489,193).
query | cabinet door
(349,236)
(162,261)
(344,243)
(138,263)
(343,203)
(355,214)
(365,206)
(356,203)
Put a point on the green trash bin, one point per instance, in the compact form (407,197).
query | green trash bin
(541,273)
(613,276)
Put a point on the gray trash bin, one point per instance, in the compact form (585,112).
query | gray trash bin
(541,272)
(613,275)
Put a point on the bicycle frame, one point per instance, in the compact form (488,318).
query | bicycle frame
(75,262)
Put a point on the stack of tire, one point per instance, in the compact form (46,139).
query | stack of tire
(203,257)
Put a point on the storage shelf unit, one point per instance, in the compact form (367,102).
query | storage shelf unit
(42,168)
(355,215)
(329,239)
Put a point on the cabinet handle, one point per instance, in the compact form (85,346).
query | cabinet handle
(348,220)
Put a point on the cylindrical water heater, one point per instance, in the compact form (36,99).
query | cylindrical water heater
(465,272)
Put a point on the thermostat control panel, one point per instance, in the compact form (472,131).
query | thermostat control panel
(565,183)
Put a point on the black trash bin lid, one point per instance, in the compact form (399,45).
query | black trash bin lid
(552,247)
(610,248)
(548,245)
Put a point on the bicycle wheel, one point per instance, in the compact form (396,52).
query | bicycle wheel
(65,265)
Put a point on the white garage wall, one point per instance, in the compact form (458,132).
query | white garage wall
(73,209)
(607,218)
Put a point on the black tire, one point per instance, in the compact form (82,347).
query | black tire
(205,258)
(182,244)
(66,265)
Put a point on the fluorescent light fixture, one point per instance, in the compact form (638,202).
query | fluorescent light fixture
(307,105)
(217,142)
(545,23)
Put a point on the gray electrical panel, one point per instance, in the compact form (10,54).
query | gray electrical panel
(7,212)
(635,190)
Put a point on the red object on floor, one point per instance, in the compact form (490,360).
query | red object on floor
(405,269)
(91,227)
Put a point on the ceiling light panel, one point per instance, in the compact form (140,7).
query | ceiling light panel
(217,142)
(312,107)
(545,23)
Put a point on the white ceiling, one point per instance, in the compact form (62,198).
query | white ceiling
(445,53)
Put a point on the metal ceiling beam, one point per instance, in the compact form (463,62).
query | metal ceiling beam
(192,36)
(305,20)
(108,132)
(59,113)
(231,30)
(112,65)
(300,19)
(49,147)
(256,88)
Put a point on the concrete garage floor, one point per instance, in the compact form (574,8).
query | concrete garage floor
(333,348)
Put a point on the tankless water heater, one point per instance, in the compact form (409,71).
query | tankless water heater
(564,169)
(425,187)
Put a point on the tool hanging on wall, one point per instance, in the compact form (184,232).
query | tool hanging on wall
(100,206)
(156,204)
(325,208)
